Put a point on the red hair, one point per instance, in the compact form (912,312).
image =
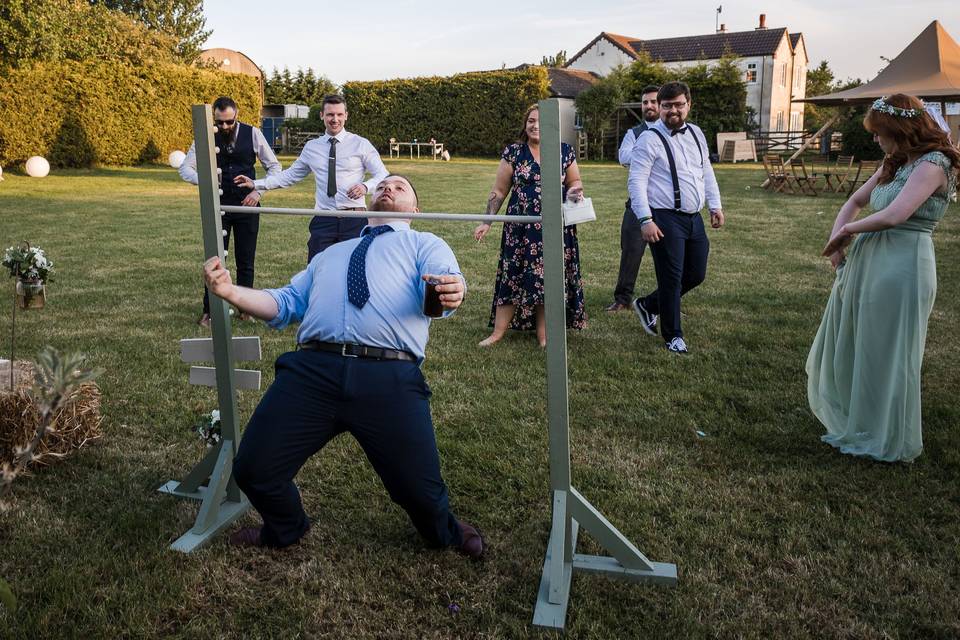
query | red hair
(914,136)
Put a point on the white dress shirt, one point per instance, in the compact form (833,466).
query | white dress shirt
(626,146)
(188,170)
(650,184)
(355,158)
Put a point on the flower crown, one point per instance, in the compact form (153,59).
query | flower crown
(881,105)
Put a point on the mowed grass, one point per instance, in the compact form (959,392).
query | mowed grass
(775,534)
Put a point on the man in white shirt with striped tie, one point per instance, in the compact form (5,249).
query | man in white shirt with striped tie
(339,160)
(670,181)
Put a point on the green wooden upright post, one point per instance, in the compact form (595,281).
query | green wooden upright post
(570,509)
(221,499)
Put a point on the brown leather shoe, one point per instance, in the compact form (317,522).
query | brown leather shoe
(204,321)
(246,537)
(472,544)
(616,306)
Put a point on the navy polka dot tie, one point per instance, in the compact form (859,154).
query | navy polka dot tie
(357,291)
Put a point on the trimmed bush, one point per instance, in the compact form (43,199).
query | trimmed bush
(471,113)
(78,114)
(718,92)
(856,140)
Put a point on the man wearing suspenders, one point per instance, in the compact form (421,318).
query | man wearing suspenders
(632,243)
(670,181)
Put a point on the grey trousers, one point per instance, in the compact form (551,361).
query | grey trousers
(631,253)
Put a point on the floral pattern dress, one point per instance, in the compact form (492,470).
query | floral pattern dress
(520,270)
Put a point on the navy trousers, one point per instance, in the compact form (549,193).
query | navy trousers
(317,395)
(326,231)
(680,261)
(244,227)
(632,245)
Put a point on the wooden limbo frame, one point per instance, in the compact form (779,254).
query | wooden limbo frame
(211,481)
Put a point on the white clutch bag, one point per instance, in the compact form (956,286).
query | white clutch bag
(578,212)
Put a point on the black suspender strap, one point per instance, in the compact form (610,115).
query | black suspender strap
(697,140)
(673,169)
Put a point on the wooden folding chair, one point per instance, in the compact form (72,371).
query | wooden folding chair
(839,174)
(777,178)
(804,179)
(865,169)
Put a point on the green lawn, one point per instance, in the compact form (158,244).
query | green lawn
(775,534)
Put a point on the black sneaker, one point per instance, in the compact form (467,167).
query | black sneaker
(647,320)
(677,345)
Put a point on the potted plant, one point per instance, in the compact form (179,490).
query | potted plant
(32,269)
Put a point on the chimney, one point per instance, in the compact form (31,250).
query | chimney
(722,29)
(763,21)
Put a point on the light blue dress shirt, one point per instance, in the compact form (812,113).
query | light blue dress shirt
(393,316)
(650,184)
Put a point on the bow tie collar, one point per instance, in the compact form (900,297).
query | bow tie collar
(681,131)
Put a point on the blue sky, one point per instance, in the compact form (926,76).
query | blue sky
(373,39)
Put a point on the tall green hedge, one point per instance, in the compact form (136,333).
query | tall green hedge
(718,92)
(471,113)
(77,114)
(856,140)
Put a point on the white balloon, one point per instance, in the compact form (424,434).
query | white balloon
(37,167)
(176,158)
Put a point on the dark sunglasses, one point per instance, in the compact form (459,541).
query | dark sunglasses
(224,123)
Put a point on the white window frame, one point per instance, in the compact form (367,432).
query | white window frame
(783,74)
(751,73)
(780,120)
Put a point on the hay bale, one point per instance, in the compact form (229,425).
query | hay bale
(76,424)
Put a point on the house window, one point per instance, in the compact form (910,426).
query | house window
(795,121)
(751,73)
(780,120)
(783,74)
(577,120)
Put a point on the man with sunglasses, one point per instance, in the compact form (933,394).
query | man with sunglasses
(670,181)
(238,147)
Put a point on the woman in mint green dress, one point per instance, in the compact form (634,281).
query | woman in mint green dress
(863,370)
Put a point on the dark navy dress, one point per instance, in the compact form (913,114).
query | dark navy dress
(520,270)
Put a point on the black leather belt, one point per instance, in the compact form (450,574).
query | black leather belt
(676,211)
(357,351)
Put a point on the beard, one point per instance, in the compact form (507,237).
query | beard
(223,139)
(674,121)
(382,204)
(651,115)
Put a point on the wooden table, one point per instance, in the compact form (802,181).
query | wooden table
(436,148)
(834,179)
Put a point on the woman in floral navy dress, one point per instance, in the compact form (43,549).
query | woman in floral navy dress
(518,293)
